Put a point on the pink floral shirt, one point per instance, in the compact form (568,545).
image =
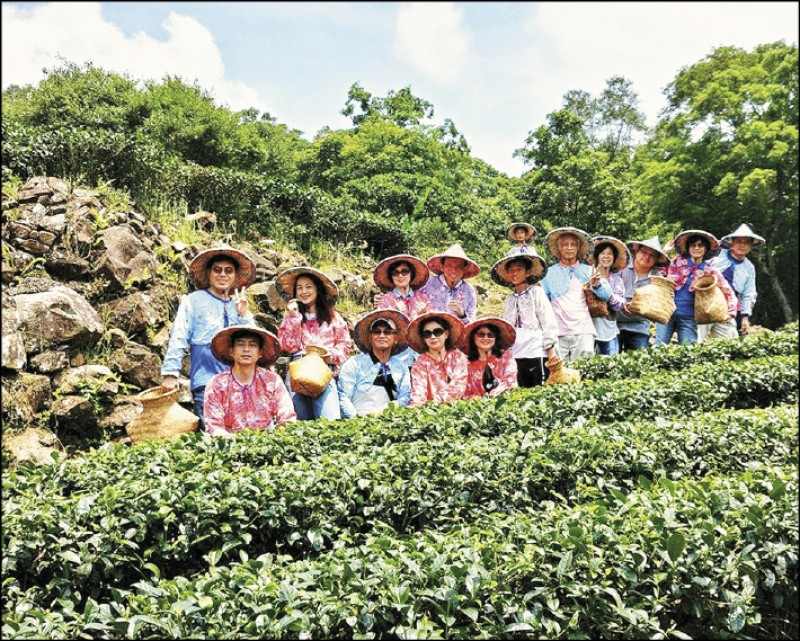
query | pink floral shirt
(681,268)
(433,380)
(414,305)
(504,370)
(230,406)
(335,337)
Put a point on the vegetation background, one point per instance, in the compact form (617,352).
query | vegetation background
(724,151)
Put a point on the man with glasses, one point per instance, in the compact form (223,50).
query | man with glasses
(221,275)
(374,378)
(648,256)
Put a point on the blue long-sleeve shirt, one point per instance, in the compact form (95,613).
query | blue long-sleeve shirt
(741,275)
(200,315)
(358,374)
(440,295)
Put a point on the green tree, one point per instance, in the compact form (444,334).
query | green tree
(726,152)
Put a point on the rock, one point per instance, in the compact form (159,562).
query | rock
(132,313)
(24,397)
(126,258)
(74,413)
(13,340)
(100,377)
(124,411)
(34,444)
(203,220)
(49,362)
(137,365)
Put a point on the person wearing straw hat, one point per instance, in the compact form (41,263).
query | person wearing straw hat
(246,394)
(528,310)
(695,248)
(739,271)
(311,319)
(401,279)
(648,257)
(374,378)
(440,372)
(609,256)
(492,369)
(563,285)
(221,275)
(447,287)
(520,234)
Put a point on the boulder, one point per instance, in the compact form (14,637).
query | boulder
(132,313)
(137,365)
(125,257)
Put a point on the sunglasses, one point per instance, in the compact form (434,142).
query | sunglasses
(485,335)
(387,332)
(219,269)
(401,272)
(427,333)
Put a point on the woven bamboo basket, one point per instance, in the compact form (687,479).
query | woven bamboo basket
(656,301)
(710,305)
(162,417)
(310,374)
(597,308)
(559,373)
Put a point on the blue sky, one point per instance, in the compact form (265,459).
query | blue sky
(495,69)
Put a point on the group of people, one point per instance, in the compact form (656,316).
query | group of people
(424,340)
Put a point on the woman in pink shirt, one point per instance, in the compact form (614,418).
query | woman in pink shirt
(440,372)
(492,368)
(246,395)
(311,319)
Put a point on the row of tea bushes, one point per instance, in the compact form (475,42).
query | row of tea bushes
(708,558)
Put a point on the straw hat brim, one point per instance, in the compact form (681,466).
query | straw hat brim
(505,340)
(530,229)
(414,338)
(361,335)
(680,242)
(221,344)
(245,272)
(623,255)
(743,231)
(383,279)
(536,272)
(286,280)
(582,236)
(471,268)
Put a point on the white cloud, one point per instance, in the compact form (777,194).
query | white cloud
(38,38)
(433,39)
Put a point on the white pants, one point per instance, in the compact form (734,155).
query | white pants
(717,330)
(573,347)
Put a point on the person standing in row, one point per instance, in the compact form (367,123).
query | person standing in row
(440,372)
(246,395)
(609,257)
(447,287)
(528,310)
(648,257)
(521,234)
(695,247)
(740,273)
(375,377)
(492,369)
(401,279)
(563,285)
(311,319)
(221,275)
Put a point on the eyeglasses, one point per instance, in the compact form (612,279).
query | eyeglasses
(219,269)
(387,332)
(427,333)
(401,272)
(484,334)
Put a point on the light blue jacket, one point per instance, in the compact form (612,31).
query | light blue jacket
(744,279)
(357,374)
(200,316)
(556,281)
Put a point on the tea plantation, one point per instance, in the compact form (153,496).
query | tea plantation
(658,498)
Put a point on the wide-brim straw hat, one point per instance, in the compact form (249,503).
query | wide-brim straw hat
(382,277)
(506,338)
(582,236)
(361,334)
(245,270)
(435,263)
(680,242)
(742,231)
(530,232)
(414,337)
(535,272)
(623,255)
(286,280)
(651,243)
(221,344)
